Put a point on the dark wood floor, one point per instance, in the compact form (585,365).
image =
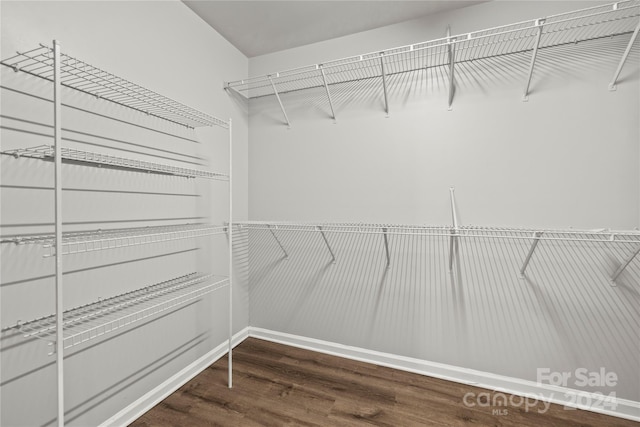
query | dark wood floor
(277,385)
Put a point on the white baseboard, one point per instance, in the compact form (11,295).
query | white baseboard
(567,397)
(136,409)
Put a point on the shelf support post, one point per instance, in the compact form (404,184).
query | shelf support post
(275,92)
(57,137)
(625,55)
(326,87)
(386,247)
(624,265)
(230,365)
(333,257)
(534,55)
(286,255)
(451,53)
(453,240)
(534,244)
(384,84)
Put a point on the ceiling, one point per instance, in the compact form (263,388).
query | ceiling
(259,27)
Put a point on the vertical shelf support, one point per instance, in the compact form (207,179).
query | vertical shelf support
(625,55)
(453,239)
(230,381)
(451,53)
(333,257)
(534,244)
(286,255)
(57,136)
(326,87)
(624,265)
(384,84)
(534,55)
(386,247)
(275,91)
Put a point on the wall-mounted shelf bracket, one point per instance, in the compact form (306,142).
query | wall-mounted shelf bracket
(386,247)
(453,239)
(534,55)
(326,87)
(333,256)
(286,255)
(275,92)
(624,265)
(384,84)
(536,240)
(451,56)
(625,55)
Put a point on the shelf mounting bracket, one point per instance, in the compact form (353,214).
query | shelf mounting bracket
(534,55)
(536,240)
(624,265)
(384,84)
(326,87)
(275,92)
(451,53)
(453,239)
(286,255)
(625,55)
(333,257)
(386,247)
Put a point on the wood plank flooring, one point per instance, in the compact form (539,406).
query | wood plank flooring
(278,385)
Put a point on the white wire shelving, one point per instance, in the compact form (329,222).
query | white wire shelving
(522,37)
(91,321)
(577,238)
(47,152)
(98,240)
(84,77)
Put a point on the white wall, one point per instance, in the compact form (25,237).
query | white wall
(567,158)
(163,46)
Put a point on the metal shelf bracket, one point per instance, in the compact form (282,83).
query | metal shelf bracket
(624,265)
(539,24)
(453,239)
(536,240)
(384,84)
(451,53)
(333,256)
(286,255)
(625,55)
(326,87)
(275,92)
(386,247)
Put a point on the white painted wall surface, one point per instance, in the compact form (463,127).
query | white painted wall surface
(567,158)
(165,47)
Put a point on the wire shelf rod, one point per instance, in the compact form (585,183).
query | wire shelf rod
(97,240)
(81,76)
(525,29)
(46,152)
(587,236)
(93,320)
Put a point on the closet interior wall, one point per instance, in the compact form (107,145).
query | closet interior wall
(187,63)
(567,158)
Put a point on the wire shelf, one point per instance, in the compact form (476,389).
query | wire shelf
(46,152)
(601,236)
(81,76)
(98,240)
(91,321)
(572,27)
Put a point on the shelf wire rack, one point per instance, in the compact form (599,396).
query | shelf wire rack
(98,240)
(84,77)
(595,236)
(87,322)
(46,152)
(562,29)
